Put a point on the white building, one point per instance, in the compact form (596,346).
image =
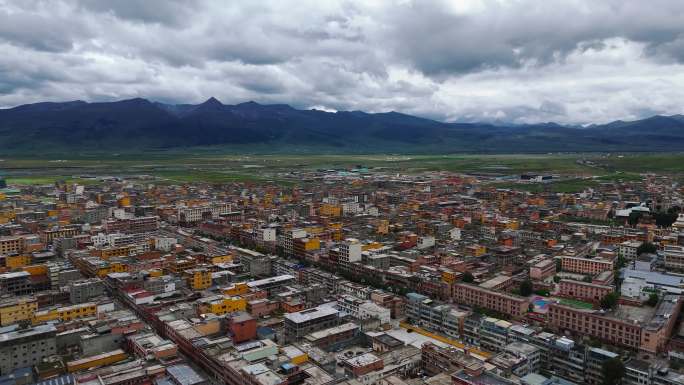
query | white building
(165,243)
(363,309)
(198,213)
(266,234)
(350,251)
(286,241)
(350,208)
(628,249)
(455,234)
(425,242)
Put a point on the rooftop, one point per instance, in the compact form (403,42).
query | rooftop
(184,375)
(311,314)
(266,281)
(363,360)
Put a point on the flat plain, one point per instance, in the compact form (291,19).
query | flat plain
(575,171)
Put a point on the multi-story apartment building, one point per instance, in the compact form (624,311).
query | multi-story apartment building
(586,265)
(514,306)
(592,323)
(628,249)
(566,359)
(595,360)
(16,283)
(583,290)
(363,309)
(13,309)
(543,269)
(26,347)
(518,359)
(674,257)
(350,251)
(432,315)
(299,324)
(146,224)
(493,334)
(286,240)
(84,290)
(47,236)
(436,359)
(650,334)
(11,245)
(273,284)
(195,214)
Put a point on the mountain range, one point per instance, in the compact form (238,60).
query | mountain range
(139,124)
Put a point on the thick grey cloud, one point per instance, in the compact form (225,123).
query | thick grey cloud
(571,61)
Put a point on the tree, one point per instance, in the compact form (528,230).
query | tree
(468,277)
(556,278)
(646,247)
(665,219)
(634,217)
(609,301)
(587,278)
(613,371)
(652,299)
(526,288)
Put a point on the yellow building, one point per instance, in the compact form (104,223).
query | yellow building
(329,210)
(97,360)
(310,244)
(448,276)
(296,356)
(13,310)
(110,252)
(476,250)
(199,279)
(16,261)
(178,266)
(222,259)
(510,224)
(36,269)
(67,313)
(236,289)
(117,267)
(335,231)
(124,202)
(219,306)
(371,246)
(383,227)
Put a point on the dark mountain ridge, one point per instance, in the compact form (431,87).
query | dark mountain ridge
(139,124)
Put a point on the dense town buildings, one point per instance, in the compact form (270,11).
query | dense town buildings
(348,277)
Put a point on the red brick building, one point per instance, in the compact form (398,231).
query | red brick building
(242,327)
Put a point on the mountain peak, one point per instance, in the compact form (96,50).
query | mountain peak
(134,101)
(250,103)
(212,101)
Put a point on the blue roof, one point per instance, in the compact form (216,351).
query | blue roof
(62,380)
(11,378)
(184,375)
(653,277)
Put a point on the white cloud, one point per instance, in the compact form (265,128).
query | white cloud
(519,61)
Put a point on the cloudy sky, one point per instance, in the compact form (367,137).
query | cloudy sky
(460,60)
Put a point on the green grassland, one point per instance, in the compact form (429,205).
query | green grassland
(575,303)
(577,171)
